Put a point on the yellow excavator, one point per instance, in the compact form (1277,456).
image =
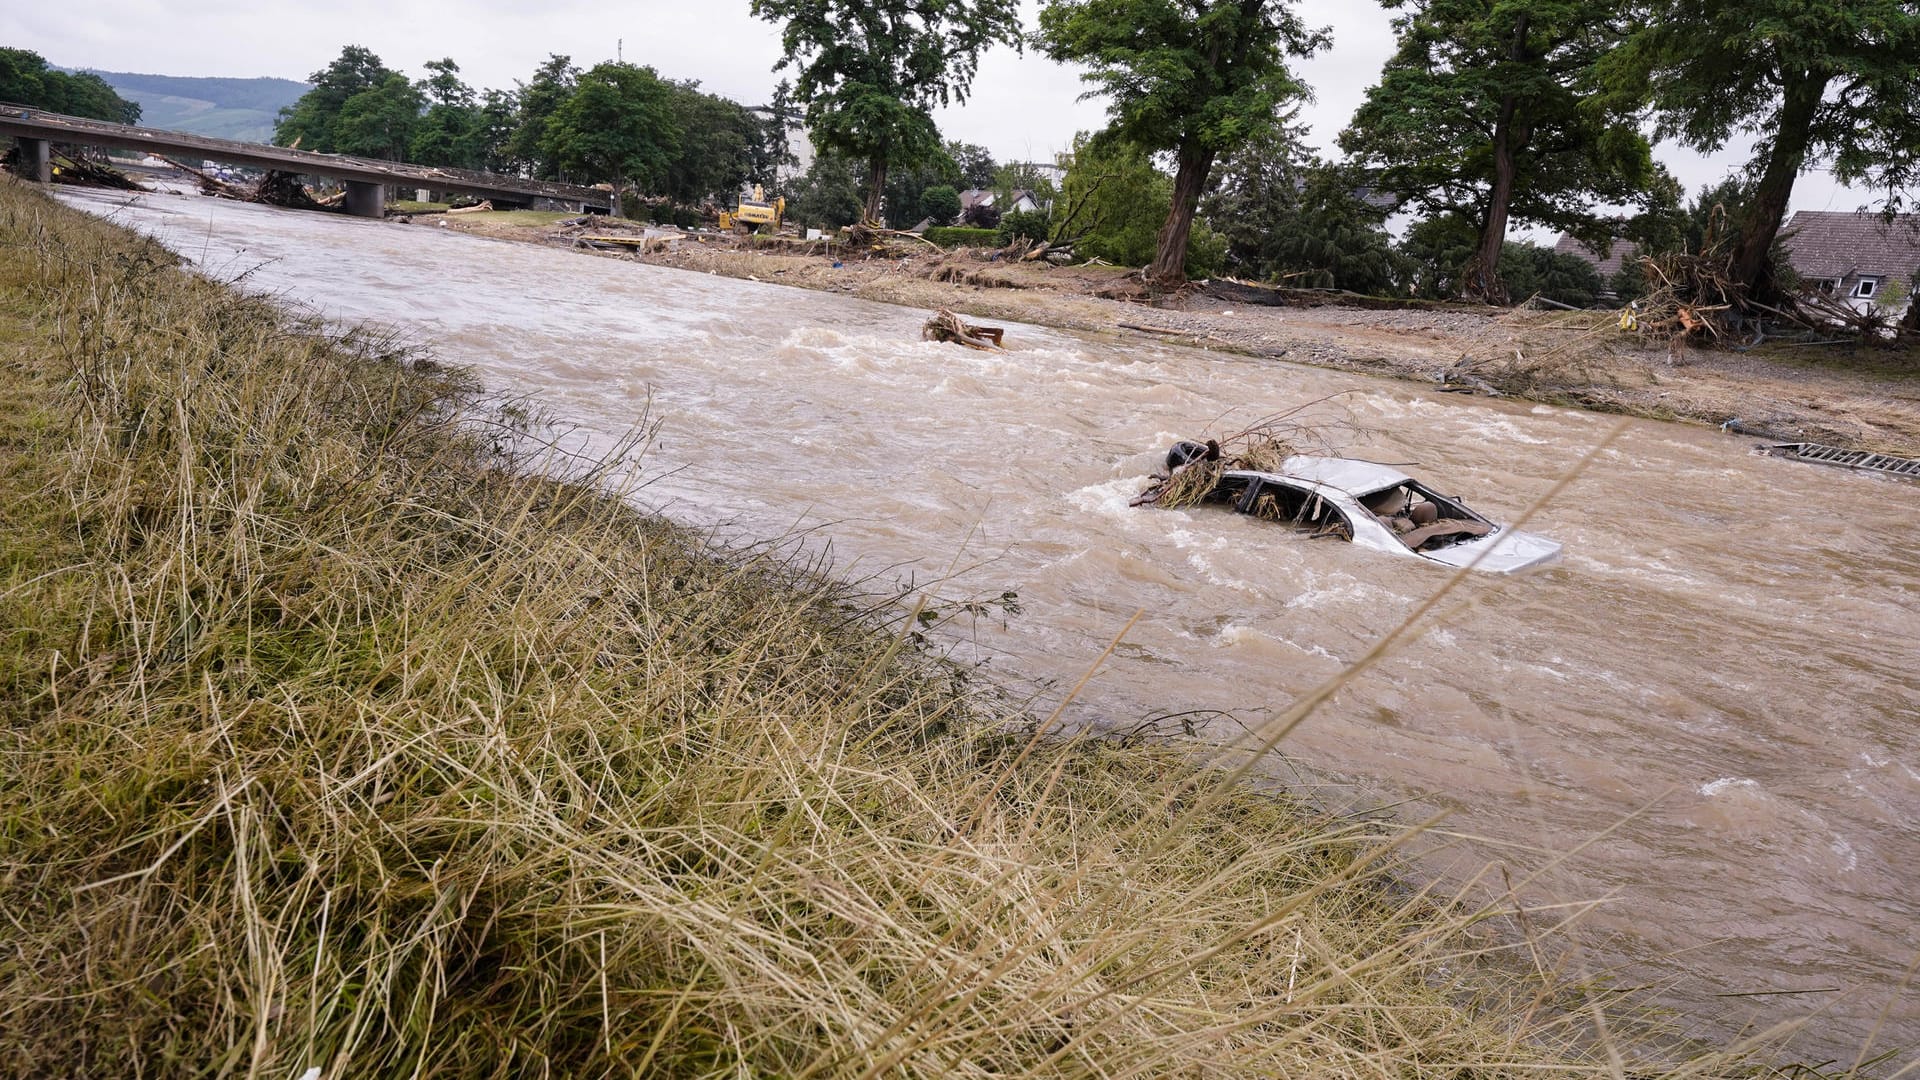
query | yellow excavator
(754,212)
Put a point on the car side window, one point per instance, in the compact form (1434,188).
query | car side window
(1300,507)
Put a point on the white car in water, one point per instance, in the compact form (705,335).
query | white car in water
(1379,508)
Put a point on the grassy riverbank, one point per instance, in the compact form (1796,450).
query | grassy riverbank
(335,738)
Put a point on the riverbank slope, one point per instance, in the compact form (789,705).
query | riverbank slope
(340,739)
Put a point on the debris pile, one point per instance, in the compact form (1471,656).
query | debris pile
(276,188)
(946,326)
(1194,468)
(89,168)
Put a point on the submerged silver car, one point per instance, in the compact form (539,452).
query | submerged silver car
(1383,509)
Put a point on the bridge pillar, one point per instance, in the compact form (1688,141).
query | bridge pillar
(36,159)
(366,199)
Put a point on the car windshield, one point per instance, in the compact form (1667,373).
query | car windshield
(1423,520)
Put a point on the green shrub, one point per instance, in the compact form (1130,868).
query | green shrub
(1033,225)
(941,203)
(961,237)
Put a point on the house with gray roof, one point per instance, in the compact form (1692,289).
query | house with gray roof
(1619,254)
(1862,258)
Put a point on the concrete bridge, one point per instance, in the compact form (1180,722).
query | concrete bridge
(366,179)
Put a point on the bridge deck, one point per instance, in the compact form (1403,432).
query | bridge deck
(23,122)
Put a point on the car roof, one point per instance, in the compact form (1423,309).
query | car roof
(1350,475)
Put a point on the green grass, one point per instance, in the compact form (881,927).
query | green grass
(333,736)
(540,218)
(415,206)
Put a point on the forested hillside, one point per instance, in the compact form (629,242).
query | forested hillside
(226,108)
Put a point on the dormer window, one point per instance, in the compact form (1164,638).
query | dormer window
(1866,287)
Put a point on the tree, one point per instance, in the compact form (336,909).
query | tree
(618,126)
(1110,201)
(1018,176)
(1195,78)
(1288,216)
(907,188)
(1256,199)
(552,84)
(975,164)
(1483,112)
(1567,279)
(828,196)
(871,71)
(494,127)
(1713,220)
(26,79)
(311,121)
(722,147)
(1817,80)
(941,204)
(1435,250)
(451,131)
(379,122)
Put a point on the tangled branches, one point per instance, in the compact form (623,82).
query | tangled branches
(946,326)
(1195,468)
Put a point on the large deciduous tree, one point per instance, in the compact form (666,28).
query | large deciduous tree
(723,147)
(1194,78)
(1814,80)
(618,125)
(552,84)
(451,132)
(1486,111)
(379,122)
(870,72)
(311,121)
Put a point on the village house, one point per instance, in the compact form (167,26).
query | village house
(1861,258)
(1617,256)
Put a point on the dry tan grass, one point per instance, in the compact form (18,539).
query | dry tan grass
(335,737)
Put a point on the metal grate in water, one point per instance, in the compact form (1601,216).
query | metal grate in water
(1850,459)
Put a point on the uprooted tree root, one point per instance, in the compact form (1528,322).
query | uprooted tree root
(946,326)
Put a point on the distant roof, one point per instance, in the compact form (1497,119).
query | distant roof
(1616,256)
(973,197)
(1837,244)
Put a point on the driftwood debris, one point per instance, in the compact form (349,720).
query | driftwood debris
(285,189)
(93,170)
(946,326)
(276,188)
(477,208)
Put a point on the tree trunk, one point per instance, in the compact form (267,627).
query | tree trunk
(1799,102)
(1170,257)
(1482,278)
(876,188)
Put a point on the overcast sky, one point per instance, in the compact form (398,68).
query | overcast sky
(1023,108)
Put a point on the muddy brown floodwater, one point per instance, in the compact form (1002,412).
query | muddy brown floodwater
(1717,681)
